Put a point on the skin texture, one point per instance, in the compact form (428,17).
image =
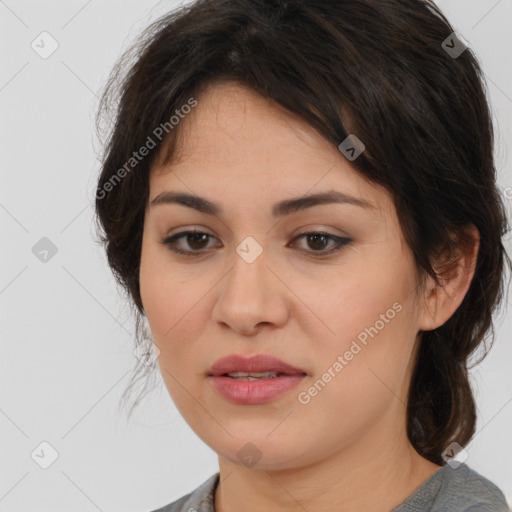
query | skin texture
(347,448)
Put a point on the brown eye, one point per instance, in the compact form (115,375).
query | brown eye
(194,242)
(318,241)
(197,240)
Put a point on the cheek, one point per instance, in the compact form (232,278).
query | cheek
(174,326)
(163,296)
(370,315)
(368,301)
(160,296)
(176,313)
(173,314)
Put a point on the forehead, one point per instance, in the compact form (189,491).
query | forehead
(232,120)
(236,144)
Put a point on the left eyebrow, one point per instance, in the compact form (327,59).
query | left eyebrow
(332,196)
(281,209)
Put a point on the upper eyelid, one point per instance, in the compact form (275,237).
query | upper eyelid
(204,230)
(306,232)
(337,240)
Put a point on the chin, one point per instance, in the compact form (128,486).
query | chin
(258,450)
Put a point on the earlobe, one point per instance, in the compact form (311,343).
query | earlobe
(455,274)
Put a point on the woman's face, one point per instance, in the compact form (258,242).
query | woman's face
(340,307)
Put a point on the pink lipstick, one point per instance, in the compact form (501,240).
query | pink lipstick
(253,380)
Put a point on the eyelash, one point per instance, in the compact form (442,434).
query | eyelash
(340,242)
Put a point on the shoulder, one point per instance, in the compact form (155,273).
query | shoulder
(469,491)
(456,490)
(199,500)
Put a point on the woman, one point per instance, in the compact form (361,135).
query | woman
(300,200)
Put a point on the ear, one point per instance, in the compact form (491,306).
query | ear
(455,275)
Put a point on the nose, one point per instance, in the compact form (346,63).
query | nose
(251,297)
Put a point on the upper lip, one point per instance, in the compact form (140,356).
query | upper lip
(253,364)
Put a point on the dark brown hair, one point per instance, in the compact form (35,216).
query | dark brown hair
(374,68)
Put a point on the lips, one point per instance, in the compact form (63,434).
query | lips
(253,380)
(257,364)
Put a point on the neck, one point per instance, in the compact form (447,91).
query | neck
(362,476)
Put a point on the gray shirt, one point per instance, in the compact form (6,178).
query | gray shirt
(447,490)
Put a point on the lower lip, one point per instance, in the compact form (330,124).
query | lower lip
(252,392)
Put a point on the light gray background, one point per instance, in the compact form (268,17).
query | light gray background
(66,336)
